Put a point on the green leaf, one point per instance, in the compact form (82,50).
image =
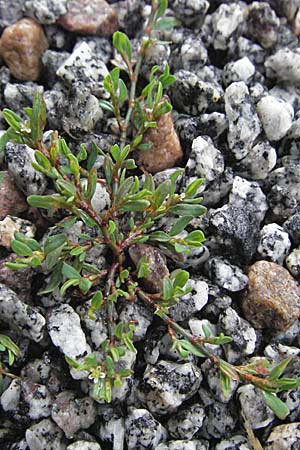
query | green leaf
(38,117)
(54,242)
(180,277)
(129,344)
(173,177)
(115,152)
(163,4)
(70,272)
(89,222)
(92,183)
(122,44)
(188,210)
(163,108)
(166,23)
(123,93)
(193,187)
(107,106)
(108,169)
(191,348)
(149,184)
(6,137)
(114,76)
(135,205)
(55,280)
(85,285)
(82,154)
(180,225)
(68,284)
(143,268)
(20,248)
(161,193)
(93,153)
(225,384)
(195,238)
(278,370)
(167,288)
(66,187)
(15,265)
(32,243)
(72,362)
(13,120)
(46,201)
(159,236)
(279,408)
(97,300)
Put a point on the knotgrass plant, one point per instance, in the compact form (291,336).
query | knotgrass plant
(75,180)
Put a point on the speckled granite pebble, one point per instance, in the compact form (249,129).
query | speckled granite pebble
(273,297)
(45,435)
(142,430)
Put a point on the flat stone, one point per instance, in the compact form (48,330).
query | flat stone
(23,318)
(166,151)
(12,201)
(90,17)
(21,47)
(273,297)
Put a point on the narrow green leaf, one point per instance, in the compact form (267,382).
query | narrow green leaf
(38,117)
(122,44)
(278,370)
(193,187)
(180,225)
(20,248)
(55,280)
(185,209)
(279,408)
(123,93)
(135,205)
(166,23)
(54,242)
(12,119)
(161,193)
(67,284)
(70,272)
(93,153)
(107,106)
(85,285)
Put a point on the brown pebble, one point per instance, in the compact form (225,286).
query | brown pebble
(12,201)
(166,151)
(21,47)
(90,17)
(272,299)
(157,264)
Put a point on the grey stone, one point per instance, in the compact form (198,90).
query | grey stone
(192,302)
(100,46)
(66,333)
(19,160)
(236,442)
(18,96)
(166,385)
(248,195)
(246,47)
(10,398)
(284,194)
(263,24)
(194,444)
(38,400)
(83,445)
(226,275)
(220,421)
(195,258)
(292,262)
(191,95)
(45,11)
(243,335)
(72,414)
(259,162)
(10,225)
(8,16)
(207,160)
(186,423)
(112,427)
(96,327)
(84,67)
(142,430)
(225,21)
(140,314)
(52,60)
(58,38)
(217,189)
(274,243)
(284,437)
(240,70)
(284,65)
(45,435)
(292,226)
(191,54)
(190,12)
(254,408)
(276,117)
(25,319)
(212,375)
(198,327)
(244,124)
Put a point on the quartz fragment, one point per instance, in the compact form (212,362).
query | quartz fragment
(166,150)
(84,445)
(23,318)
(21,47)
(274,243)
(240,70)
(272,298)
(225,21)
(166,385)
(276,117)
(259,162)
(244,124)
(192,302)
(206,158)
(142,430)
(284,65)
(190,12)
(90,17)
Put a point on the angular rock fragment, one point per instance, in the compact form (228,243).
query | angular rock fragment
(90,17)
(225,21)
(276,117)
(274,243)
(284,65)
(84,445)
(21,47)
(284,437)
(45,11)
(12,201)
(142,430)
(272,299)
(187,422)
(45,435)
(254,408)
(10,225)
(23,318)
(263,24)
(240,70)
(226,275)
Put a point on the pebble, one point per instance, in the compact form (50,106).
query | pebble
(254,408)
(45,11)
(20,95)
(190,54)
(21,47)
(205,159)
(225,21)
(167,385)
(37,398)
(272,298)
(25,319)
(19,280)
(190,12)
(243,335)
(186,423)
(212,375)
(8,16)
(19,160)
(236,442)
(240,70)
(94,17)
(263,24)
(52,60)
(236,231)
(10,225)
(191,95)
(192,302)
(45,435)
(66,333)
(284,437)
(220,421)
(248,195)
(292,262)
(274,243)
(85,67)
(284,65)
(276,117)
(244,124)
(72,414)
(292,227)
(12,201)
(284,194)
(195,444)
(157,264)
(259,162)
(166,151)
(84,445)
(226,275)
(140,315)
(142,430)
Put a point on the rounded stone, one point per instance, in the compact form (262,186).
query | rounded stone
(276,117)
(272,299)
(21,47)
